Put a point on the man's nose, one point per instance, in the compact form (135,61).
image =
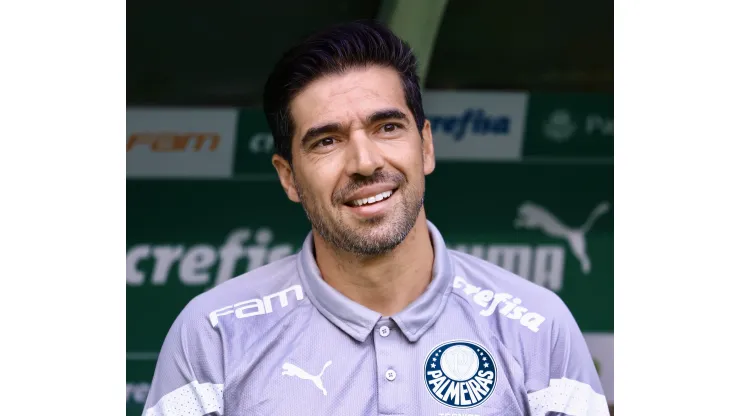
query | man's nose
(364,156)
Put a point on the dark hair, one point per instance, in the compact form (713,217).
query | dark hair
(333,51)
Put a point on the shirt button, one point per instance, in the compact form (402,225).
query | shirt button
(384,331)
(390,375)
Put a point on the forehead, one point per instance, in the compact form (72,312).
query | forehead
(348,98)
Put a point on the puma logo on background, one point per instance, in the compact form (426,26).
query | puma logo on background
(532,216)
(292,370)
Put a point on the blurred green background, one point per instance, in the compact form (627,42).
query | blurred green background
(542,71)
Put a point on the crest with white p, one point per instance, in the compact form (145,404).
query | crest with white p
(460,374)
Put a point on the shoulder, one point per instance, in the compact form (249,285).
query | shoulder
(499,295)
(251,294)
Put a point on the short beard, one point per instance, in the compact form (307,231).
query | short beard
(341,238)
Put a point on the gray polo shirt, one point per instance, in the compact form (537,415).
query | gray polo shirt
(280,341)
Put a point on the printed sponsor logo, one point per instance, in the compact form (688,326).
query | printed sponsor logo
(543,264)
(261,143)
(180,143)
(534,217)
(204,264)
(561,125)
(292,370)
(476,125)
(510,305)
(257,306)
(472,121)
(174,142)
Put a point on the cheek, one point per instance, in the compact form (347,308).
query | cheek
(408,158)
(316,183)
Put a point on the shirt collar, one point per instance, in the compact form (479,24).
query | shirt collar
(357,320)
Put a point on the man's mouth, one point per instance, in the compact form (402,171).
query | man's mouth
(371,200)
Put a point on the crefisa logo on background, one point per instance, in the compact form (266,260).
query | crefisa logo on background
(460,374)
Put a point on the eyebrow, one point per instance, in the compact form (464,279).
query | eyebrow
(380,115)
(388,114)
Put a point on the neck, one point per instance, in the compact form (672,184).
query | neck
(386,283)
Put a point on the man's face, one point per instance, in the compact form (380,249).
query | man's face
(358,160)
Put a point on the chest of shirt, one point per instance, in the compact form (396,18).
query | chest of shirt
(311,367)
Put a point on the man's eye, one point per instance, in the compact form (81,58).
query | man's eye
(389,128)
(327,141)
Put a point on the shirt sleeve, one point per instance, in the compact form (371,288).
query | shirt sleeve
(189,376)
(568,384)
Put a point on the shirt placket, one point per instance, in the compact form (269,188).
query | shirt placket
(392,375)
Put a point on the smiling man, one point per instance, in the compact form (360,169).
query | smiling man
(374,316)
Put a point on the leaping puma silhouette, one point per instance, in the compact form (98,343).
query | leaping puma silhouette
(533,216)
(293,370)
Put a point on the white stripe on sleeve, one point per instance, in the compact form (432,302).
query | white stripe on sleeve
(570,397)
(190,399)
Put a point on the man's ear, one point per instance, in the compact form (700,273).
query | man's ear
(285,173)
(427,147)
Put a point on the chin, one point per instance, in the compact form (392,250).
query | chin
(378,220)
(375,246)
(383,228)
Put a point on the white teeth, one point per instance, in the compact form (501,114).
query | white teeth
(377,198)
